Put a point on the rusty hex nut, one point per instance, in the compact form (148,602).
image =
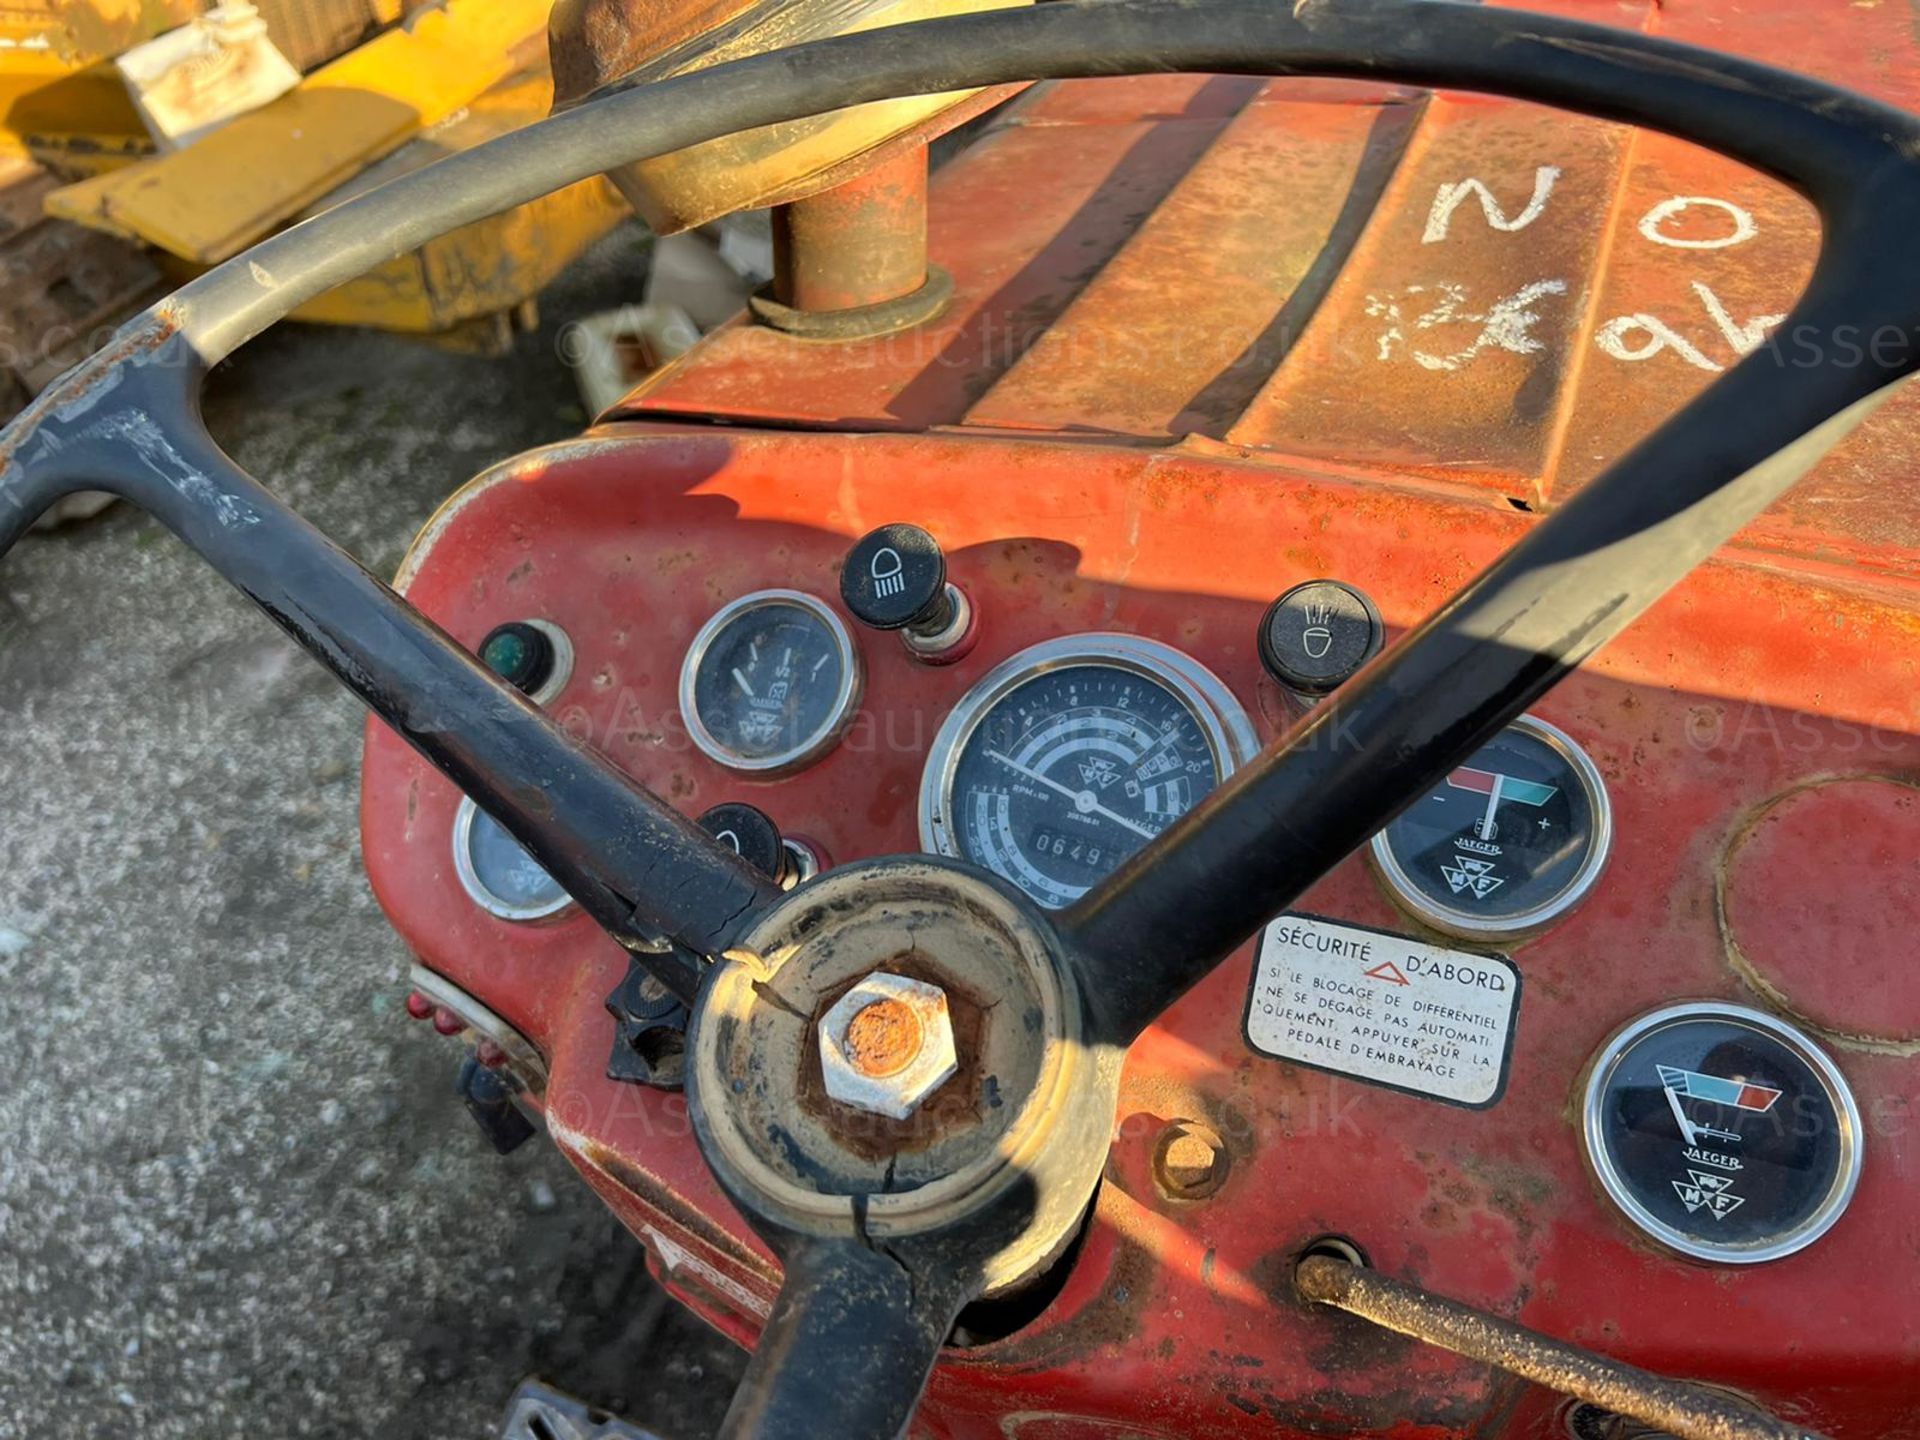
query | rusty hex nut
(1190,1162)
(887,1044)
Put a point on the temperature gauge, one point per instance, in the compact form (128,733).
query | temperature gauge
(1505,844)
(770,682)
(1722,1132)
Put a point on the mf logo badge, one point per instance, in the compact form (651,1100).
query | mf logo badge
(1099,772)
(1467,873)
(1712,1193)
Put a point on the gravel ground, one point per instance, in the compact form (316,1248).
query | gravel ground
(237,1195)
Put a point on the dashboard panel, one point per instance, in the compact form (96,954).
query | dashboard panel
(1740,735)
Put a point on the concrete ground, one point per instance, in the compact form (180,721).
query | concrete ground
(237,1195)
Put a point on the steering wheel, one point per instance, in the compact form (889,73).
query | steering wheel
(878,1261)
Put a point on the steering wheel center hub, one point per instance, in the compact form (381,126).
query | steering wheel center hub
(877,974)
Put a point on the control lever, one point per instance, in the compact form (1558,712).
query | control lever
(1328,1277)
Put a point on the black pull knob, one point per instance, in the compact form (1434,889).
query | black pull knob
(520,654)
(895,578)
(1318,634)
(750,831)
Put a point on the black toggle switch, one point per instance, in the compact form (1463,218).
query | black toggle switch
(895,578)
(1317,635)
(751,833)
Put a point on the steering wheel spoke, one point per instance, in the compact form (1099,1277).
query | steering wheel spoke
(1430,701)
(126,422)
(851,1341)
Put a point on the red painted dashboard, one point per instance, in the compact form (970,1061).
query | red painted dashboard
(1139,416)
(1751,699)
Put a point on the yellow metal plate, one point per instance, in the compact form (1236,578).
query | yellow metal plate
(209,202)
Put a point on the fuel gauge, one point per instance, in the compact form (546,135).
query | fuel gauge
(770,682)
(1507,843)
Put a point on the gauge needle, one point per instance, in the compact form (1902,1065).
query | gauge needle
(1493,804)
(1688,1131)
(741,681)
(1082,799)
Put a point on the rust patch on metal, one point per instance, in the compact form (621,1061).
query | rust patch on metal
(861,243)
(1190,1162)
(75,390)
(883,1039)
(1673,1407)
(671,1205)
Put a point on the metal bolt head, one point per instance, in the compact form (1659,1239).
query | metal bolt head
(1190,1162)
(887,1044)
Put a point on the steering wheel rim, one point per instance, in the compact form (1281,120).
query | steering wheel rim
(127,421)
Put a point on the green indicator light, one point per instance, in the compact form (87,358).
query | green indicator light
(506,653)
(519,654)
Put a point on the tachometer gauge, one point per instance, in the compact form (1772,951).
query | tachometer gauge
(1506,843)
(770,682)
(1070,756)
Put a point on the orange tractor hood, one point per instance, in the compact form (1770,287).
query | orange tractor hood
(1449,289)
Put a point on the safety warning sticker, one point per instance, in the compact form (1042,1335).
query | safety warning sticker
(1383,1008)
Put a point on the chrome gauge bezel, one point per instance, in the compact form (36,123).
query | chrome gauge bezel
(824,736)
(1593,1135)
(477,891)
(1229,733)
(1465,925)
(563,659)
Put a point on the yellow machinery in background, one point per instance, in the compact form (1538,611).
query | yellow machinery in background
(57,81)
(95,219)
(472,288)
(96,216)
